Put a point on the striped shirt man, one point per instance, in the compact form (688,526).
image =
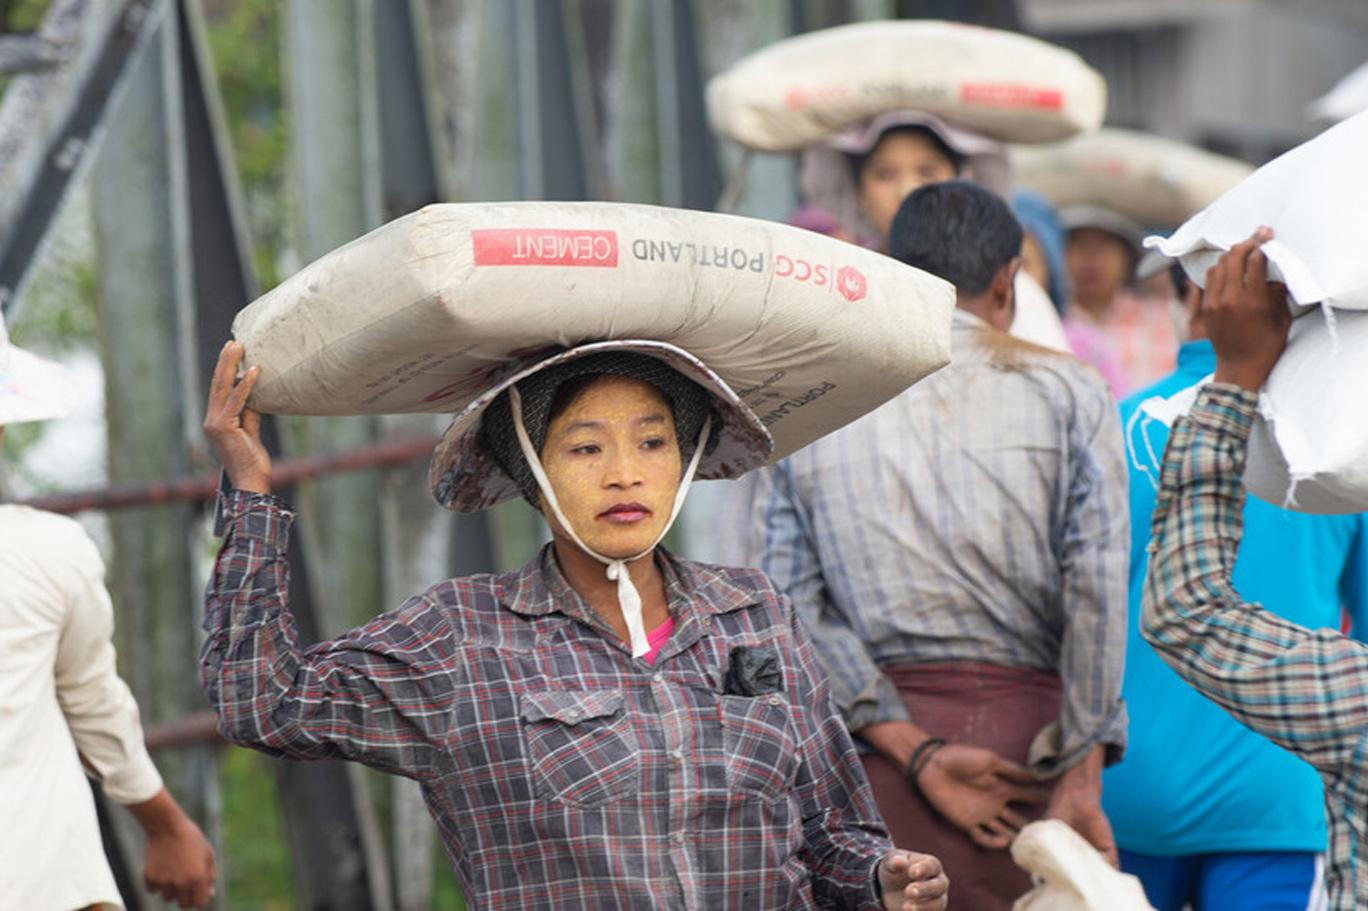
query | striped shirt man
(980,516)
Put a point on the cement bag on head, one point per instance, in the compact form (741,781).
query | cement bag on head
(1006,86)
(1315,198)
(1070,874)
(417,315)
(1036,318)
(1149,179)
(1308,449)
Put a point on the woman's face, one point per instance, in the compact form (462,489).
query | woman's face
(902,161)
(1099,263)
(614,462)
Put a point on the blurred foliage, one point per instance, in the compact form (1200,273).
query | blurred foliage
(22,15)
(245,43)
(255,857)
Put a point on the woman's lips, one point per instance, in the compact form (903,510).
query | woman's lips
(624,513)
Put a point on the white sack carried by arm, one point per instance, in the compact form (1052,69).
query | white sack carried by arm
(1002,85)
(1315,198)
(1070,874)
(1149,179)
(1308,449)
(423,314)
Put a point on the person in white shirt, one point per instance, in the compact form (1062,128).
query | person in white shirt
(63,705)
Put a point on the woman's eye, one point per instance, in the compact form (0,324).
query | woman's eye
(586,449)
(654,443)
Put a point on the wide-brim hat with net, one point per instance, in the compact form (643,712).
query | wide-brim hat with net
(32,388)
(466,477)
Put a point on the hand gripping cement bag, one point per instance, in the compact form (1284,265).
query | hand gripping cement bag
(1070,874)
(1149,179)
(421,314)
(1309,449)
(1002,85)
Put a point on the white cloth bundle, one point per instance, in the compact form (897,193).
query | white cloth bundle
(1070,874)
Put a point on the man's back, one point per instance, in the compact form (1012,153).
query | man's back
(956,507)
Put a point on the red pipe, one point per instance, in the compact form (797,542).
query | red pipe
(204,487)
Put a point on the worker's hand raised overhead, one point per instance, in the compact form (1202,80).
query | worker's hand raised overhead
(232,427)
(1246,316)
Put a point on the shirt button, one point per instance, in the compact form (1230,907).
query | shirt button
(677,838)
(775,700)
(677,757)
(573,715)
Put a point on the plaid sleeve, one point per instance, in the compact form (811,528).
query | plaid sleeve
(362,696)
(1306,690)
(1094,544)
(860,690)
(845,837)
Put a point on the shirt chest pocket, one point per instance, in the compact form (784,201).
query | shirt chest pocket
(762,752)
(581,746)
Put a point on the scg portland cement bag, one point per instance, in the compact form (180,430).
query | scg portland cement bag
(1003,85)
(417,315)
(1149,179)
(1070,874)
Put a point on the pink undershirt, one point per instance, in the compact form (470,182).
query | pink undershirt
(657,638)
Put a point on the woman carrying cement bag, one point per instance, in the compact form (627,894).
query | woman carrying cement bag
(1069,873)
(611,726)
(1306,451)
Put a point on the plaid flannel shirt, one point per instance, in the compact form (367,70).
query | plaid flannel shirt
(561,771)
(1306,690)
(979,516)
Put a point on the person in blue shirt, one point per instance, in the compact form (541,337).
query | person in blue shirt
(1205,811)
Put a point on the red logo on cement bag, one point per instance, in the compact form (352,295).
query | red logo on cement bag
(1006,95)
(544,247)
(851,283)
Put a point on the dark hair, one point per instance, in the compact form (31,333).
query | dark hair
(957,161)
(1178,275)
(958,231)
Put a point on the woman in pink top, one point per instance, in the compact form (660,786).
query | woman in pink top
(1131,341)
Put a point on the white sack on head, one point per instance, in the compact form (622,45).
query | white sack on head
(1348,97)
(1308,449)
(1036,318)
(1315,198)
(1070,874)
(421,314)
(1010,87)
(1149,179)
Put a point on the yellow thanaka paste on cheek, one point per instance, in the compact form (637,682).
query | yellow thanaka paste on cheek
(613,460)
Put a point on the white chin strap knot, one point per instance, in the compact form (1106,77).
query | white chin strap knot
(629,599)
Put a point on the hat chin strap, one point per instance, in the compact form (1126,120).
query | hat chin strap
(629,599)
